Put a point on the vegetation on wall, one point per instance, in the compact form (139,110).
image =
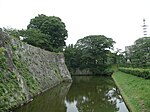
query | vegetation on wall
(11,87)
(2,59)
(26,71)
(31,83)
(10,92)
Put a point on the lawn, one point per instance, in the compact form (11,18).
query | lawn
(135,91)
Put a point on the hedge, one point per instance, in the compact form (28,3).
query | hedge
(144,73)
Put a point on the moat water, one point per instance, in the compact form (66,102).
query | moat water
(85,94)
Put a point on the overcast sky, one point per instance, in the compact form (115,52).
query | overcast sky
(117,19)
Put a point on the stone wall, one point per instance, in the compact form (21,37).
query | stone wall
(25,71)
(83,72)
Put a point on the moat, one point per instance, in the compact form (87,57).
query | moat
(85,94)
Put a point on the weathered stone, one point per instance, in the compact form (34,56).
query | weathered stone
(83,72)
(35,69)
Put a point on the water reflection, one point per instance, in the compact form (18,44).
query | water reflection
(71,106)
(94,94)
(50,101)
(86,94)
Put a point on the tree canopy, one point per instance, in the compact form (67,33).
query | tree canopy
(52,27)
(139,53)
(36,38)
(93,52)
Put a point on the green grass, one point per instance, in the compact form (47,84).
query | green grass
(135,91)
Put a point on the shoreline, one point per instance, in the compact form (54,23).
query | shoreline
(134,90)
(125,98)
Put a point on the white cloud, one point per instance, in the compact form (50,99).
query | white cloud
(117,19)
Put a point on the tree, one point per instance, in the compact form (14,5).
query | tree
(97,46)
(72,57)
(51,26)
(93,51)
(139,53)
(36,38)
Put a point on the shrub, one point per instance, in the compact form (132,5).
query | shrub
(144,73)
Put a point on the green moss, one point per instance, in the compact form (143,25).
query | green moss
(19,55)
(14,47)
(135,90)
(11,92)
(31,82)
(3,64)
(2,50)
(9,95)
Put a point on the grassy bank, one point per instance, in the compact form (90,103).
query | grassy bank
(135,91)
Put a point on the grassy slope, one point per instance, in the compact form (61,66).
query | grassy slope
(135,91)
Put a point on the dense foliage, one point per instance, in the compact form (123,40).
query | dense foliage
(72,57)
(36,38)
(53,28)
(138,55)
(46,32)
(145,73)
(91,52)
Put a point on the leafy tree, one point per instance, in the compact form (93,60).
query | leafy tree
(118,57)
(139,53)
(36,38)
(51,26)
(46,32)
(97,46)
(72,57)
(37,22)
(93,53)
